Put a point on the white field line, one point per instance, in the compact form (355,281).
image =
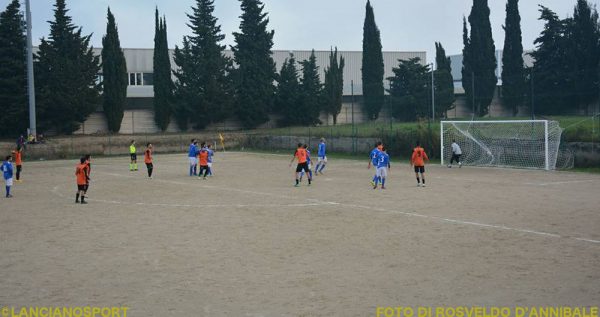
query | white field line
(563,182)
(315,202)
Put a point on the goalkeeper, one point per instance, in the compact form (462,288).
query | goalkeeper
(456,153)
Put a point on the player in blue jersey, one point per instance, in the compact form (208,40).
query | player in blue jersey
(321,157)
(383,164)
(373,159)
(7,170)
(211,153)
(192,154)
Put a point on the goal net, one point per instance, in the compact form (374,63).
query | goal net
(510,143)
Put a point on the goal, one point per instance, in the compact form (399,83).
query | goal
(509,143)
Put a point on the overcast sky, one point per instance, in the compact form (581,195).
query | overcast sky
(406,25)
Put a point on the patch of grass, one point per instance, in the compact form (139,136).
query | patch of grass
(591,170)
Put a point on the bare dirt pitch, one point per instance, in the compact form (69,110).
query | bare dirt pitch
(247,243)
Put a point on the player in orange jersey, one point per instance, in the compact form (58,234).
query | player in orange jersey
(302,157)
(82,180)
(17,155)
(203,161)
(418,162)
(148,159)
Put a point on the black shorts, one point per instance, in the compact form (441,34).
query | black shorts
(133,157)
(81,187)
(87,186)
(419,169)
(302,167)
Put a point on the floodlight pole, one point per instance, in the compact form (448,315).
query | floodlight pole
(30,80)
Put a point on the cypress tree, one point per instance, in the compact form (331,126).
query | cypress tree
(287,101)
(409,91)
(513,70)
(163,84)
(444,84)
(467,70)
(482,56)
(585,39)
(334,85)
(372,66)
(67,72)
(204,70)
(114,71)
(184,102)
(256,69)
(311,91)
(554,64)
(13,83)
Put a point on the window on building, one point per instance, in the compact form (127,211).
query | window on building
(132,79)
(148,79)
(141,79)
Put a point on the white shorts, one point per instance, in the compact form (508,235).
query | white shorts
(193,161)
(382,172)
(9,182)
(210,164)
(322,159)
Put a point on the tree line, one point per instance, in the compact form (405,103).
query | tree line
(205,86)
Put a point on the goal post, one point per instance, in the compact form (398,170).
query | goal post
(503,143)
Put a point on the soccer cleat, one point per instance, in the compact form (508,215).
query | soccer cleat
(423,185)
(84,202)
(373,183)
(459,165)
(297,185)
(382,187)
(375,187)
(9,196)
(449,166)
(418,184)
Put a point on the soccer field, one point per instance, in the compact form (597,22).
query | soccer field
(247,243)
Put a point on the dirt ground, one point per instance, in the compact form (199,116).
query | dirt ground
(247,243)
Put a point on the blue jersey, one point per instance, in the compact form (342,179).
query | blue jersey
(374,153)
(210,155)
(307,156)
(193,151)
(322,149)
(383,159)
(7,170)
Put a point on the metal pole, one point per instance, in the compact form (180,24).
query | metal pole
(30,79)
(532,98)
(473,90)
(353,138)
(432,94)
(390,103)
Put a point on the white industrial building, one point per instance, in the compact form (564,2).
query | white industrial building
(138,116)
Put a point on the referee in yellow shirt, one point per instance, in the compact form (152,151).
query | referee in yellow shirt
(132,152)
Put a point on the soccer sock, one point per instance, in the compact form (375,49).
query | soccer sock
(374,178)
(7,191)
(191,170)
(150,172)
(322,167)
(418,180)
(135,167)
(195,170)
(77,197)
(82,199)
(130,167)
(376,181)
(423,177)
(383,182)
(297,181)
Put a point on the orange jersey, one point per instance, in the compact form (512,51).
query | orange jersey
(18,159)
(148,157)
(87,168)
(203,158)
(81,173)
(419,157)
(301,155)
